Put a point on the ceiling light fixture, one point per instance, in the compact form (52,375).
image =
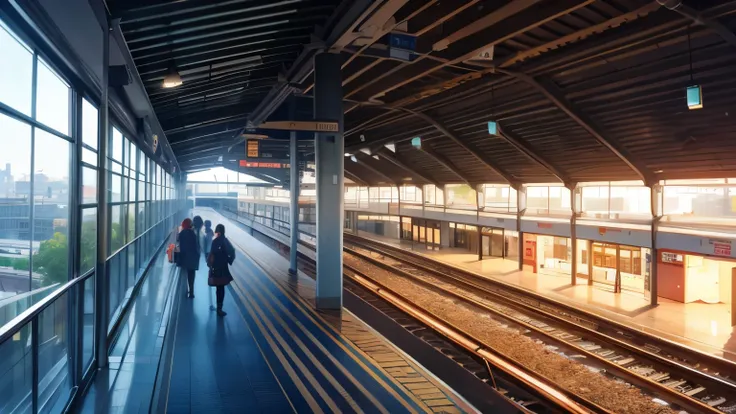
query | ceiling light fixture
(172,78)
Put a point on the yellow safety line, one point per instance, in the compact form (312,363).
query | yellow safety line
(332,335)
(328,400)
(331,357)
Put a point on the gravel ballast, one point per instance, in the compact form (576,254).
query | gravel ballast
(569,374)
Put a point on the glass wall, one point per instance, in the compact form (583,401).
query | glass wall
(700,201)
(548,200)
(499,198)
(616,200)
(34,170)
(48,221)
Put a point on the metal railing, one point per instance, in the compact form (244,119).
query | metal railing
(47,350)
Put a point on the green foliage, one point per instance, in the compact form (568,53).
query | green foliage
(88,250)
(20,263)
(51,261)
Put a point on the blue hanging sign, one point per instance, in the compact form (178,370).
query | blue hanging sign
(492,128)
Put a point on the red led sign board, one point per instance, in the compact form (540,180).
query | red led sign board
(248,164)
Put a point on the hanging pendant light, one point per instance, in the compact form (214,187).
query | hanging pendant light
(172,78)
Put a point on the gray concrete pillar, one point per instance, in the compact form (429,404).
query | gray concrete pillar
(293,203)
(329,149)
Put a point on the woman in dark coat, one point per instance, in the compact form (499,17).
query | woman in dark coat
(188,257)
(221,257)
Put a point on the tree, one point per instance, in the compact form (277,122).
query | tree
(51,261)
(88,248)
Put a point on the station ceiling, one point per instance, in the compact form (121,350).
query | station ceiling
(581,90)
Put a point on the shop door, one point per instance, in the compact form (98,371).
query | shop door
(486,245)
(497,243)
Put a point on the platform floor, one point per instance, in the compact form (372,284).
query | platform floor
(698,325)
(274,353)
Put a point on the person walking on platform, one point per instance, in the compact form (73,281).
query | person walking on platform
(207,235)
(197,224)
(188,256)
(219,261)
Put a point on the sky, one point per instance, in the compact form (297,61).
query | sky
(16,89)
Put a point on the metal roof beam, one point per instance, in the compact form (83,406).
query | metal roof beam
(720,29)
(354,178)
(390,157)
(342,22)
(550,90)
(522,146)
(446,163)
(475,152)
(378,172)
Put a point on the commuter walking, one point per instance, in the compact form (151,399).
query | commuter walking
(219,261)
(207,236)
(197,224)
(188,256)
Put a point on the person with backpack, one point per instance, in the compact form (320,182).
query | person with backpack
(188,256)
(197,224)
(219,260)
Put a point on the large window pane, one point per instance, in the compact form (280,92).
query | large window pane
(117,146)
(16,375)
(89,185)
(52,102)
(15,234)
(89,124)
(51,207)
(117,228)
(116,191)
(88,240)
(131,221)
(53,354)
(88,322)
(16,73)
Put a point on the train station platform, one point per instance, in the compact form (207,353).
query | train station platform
(272,352)
(701,326)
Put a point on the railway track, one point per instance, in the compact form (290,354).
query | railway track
(688,379)
(524,389)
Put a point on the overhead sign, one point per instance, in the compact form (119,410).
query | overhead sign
(248,164)
(721,247)
(251,148)
(155,143)
(313,126)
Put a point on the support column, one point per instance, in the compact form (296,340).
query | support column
(521,209)
(329,150)
(573,235)
(294,203)
(656,192)
(101,285)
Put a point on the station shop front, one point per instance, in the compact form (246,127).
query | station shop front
(616,259)
(696,268)
(494,242)
(425,233)
(547,247)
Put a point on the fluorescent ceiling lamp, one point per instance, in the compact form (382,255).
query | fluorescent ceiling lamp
(416,142)
(347,154)
(391,146)
(375,157)
(694,97)
(172,79)
(353,159)
(366,151)
(492,128)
